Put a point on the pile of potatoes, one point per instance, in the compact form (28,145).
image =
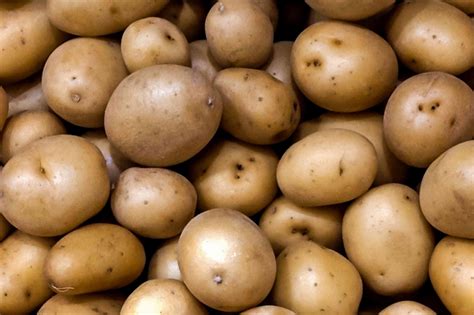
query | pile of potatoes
(237,156)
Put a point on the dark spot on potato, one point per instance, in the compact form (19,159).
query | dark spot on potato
(331,274)
(407,197)
(42,170)
(310,269)
(260,98)
(23,40)
(73,78)
(172,292)
(382,273)
(204,171)
(239,167)
(113,10)
(303,231)
(315,284)
(322,310)
(246,77)
(337,42)
(413,61)
(61,246)
(317,63)
(76,98)
(217,279)
(333,78)
(121,253)
(252,159)
(237,177)
(452,121)
(145,202)
(110,269)
(171,220)
(5,294)
(420,107)
(169,37)
(27,293)
(291,218)
(341,168)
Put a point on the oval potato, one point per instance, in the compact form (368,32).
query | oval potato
(407,308)
(349,10)
(164,262)
(86,304)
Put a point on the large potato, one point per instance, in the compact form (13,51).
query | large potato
(349,10)
(86,304)
(54,185)
(23,287)
(202,60)
(164,262)
(268,310)
(95,257)
(407,308)
(3,107)
(26,95)
(79,78)
(167,127)
(187,15)
(387,220)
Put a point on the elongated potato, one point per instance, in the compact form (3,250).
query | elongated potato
(86,304)
(349,10)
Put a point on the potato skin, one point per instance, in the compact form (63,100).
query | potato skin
(26,95)
(95,257)
(86,304)
(466,6)
(23,286)
(407,307)
(202,60)
(349,10)
(164,262)
(187,15)
(3,107)
(268,310)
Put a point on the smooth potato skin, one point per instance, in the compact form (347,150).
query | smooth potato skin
(26,95)
(406,308)
(164,262)
(268,310)
(202,60)
(86,304)
(349,10)
(3,107)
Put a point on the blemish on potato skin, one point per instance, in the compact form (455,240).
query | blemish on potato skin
(217,279)
(27,294)
(110,269)
(76,98)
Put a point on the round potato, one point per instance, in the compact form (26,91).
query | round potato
(27,127)
(165,128)
(79,78)
(27,38)
(86,304)
(250,46)
(387,220)
(153,41)
(99,257)
(162,296)
(235,261)
(312,279)
(466,6)
(432,36)
(452,274)
(202,60)
(23,286)
(349,70)
(53,185)
(232,174)
(268,310)
(446,192)
(285,223)
(426,115)
(187,15)
(327,167)
(3,107)
(164,262)
(349,10)
(258,108)
(407,308)
(26,95)
(95,18)
(153,202)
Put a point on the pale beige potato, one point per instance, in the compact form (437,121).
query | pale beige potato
(23,287)
(95,18)
(202,60)
(93,258)
(407,308)
(53,185)
(235,260)
(464,5)
(312,279)
(166,128)
(327,167)
(154,41)
(432,35)
(162,296)
(426,115)
(279,64)
(233,174)
(164,262)
(187,15)
(86,304)
(349,10)
(26,95)
(268,310)
(26,127)
(79,78)
(3,107)
(27,38)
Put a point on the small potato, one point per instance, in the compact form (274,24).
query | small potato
(432,36)
(23,286)
(466,6)
(153,202)
(26,95)
(79,78)
(232,174)
(312,279)
(86,304)
(164,297)
(327,167)
(202,60)
(343,67)
(3,107)
(426,115)
(258,108)
(153,41)
(349,10)
(27,127)
(279,64)
(164,262)
(268,310)
(95,257)
(187,15)
(407,308)
(285,223)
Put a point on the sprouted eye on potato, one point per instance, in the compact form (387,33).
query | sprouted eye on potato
(246,156)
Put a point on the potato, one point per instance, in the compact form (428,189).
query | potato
(5,228)
(270,8)
(426,115)
(258,108)
(285,223)
(327,167)
(387,220)
(99,257)
(446,192)
(27,127)
(312,279)
(86,304)
(235,261)
(239,34)
(153,41)
(165,128)
(23,286)
(452,274)
(162,296)
(407,308)
(164,262)
(27,38)
(349,10)
(3,107)
(95,18)
(466,6)
(202,60)
(232,174)
(350,70)
(432,36)
(187,15)
(26,95)
(53,185)
(153,202)
(268,310)
(79,78)
(278,65)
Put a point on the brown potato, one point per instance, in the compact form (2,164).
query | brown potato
(466,6)
(54,185)
(232,174)
(268,310)
(270,8)
(99,257)
(349,10)
(187,15)
(407,308)
(86,304)
(166,128)
(5,228)
(202,60)
(235,261)
(3,107)
(79,78)
(426,115)
(279,63)
(164,262)
(26,95)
